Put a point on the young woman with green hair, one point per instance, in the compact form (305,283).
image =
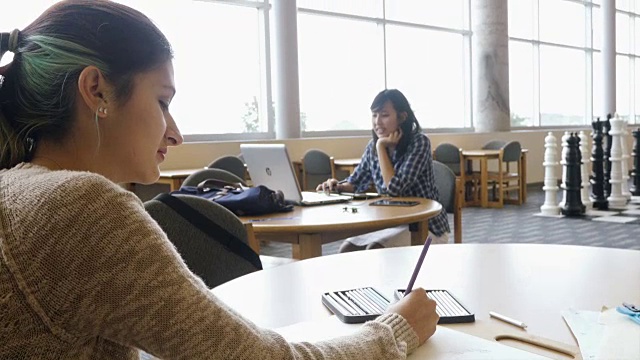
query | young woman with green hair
(85,272)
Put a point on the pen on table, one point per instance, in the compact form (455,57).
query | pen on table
(273,219)
(425,248)
(508,320)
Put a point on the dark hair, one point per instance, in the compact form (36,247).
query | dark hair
(38,89)
(409,126)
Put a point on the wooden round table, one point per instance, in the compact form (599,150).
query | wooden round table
(308,227)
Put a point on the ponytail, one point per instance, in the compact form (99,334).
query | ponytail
(14,148)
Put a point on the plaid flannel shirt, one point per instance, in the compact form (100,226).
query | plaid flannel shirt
(413,176)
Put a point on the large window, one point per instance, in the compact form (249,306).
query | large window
(221,86)
(521,83)
(562,86)
(219,79)
(551,71)
(350,50)
(337,77)
(627,59)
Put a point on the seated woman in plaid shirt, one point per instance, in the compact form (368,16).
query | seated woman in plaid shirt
(398,161)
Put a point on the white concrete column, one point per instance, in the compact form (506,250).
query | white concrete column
(490,61)
(608,91)
(287,85)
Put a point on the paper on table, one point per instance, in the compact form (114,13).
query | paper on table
(621,338)
(585,328)
(604,335)
(444,344)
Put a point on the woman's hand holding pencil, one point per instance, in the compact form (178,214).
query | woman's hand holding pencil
(415,306)
(419,311)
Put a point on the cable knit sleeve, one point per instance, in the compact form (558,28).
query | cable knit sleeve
(98,270)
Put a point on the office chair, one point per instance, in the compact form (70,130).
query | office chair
(230,163)
(204,256)
(449,155)
(505,180)
(317,166)
(450,190)
(211,173)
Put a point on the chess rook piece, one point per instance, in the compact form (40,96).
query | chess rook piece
(635,168)
(597,168)
(584,171)
(606,144)
(616,199)
(550,187)
(571,186)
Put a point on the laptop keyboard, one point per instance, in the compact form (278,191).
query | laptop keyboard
(308,196)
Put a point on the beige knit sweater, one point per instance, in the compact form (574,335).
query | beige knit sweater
(86,273)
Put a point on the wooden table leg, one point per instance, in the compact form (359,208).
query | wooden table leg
(419,232)
(251,238)
(523,178)
(308,246)
(484,183)
(175,184)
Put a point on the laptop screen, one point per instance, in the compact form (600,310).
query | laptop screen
(269,165)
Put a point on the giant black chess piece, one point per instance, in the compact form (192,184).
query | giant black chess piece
(635,170)
(606,143)
(597,168)
(573,205)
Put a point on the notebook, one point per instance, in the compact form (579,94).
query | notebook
(269,165)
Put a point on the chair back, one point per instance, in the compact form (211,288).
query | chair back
(317,166)
(449,155)
(211,173)
(451,195)
(494,145)
(230,163)
(446,184)
(511,151)
(207,258)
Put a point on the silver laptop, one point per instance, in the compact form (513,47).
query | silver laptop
(269,165)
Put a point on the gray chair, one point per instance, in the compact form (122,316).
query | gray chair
(204,256)
(449,155)
(230,163)
(317,166)
(205,174)
(507,180)
(450,190)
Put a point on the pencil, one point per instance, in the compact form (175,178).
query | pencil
(508,320)
(425,248)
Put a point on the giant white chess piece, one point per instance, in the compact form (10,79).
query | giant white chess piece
(564,142)
(550,187)
(616,200)
(584,171)
(625,161)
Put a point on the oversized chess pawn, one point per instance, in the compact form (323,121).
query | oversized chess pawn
(606,145)
(635,169)
(550,187)
(597,168)
(625,160)
(584,171)
(572,204)
(615,198)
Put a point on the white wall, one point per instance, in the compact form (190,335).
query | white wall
(194,155)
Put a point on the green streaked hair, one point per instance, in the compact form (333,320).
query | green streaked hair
(39,87)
